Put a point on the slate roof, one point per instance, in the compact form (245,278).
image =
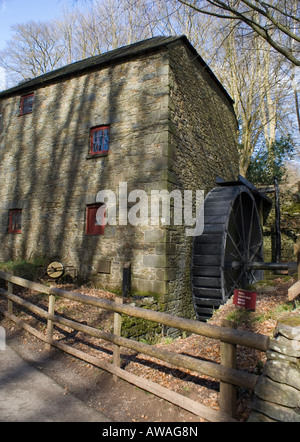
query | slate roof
(107,58)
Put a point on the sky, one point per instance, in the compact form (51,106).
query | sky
(20,11)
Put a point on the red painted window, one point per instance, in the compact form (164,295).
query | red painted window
(26,104)
(95,219)
(99,141)
(15,221)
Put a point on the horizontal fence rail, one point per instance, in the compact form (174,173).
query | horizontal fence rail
(228,375)
(238,337)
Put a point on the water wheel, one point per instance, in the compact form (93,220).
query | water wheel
(231,242)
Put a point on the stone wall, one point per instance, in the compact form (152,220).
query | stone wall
(171,127)
(277,394)
(203,145)
(45,169)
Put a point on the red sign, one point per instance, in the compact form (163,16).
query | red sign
(245,299)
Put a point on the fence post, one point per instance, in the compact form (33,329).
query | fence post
(49,322)
(297,253)
(228,359)
(126,283)
(117,332)
(10,289)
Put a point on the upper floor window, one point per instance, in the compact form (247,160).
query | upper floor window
(15,221)
(99,142)
(26,104)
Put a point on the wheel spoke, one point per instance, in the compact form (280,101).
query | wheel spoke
(257,249)
(237,230)
(250,229)
(243,221)
(235,281)
(245,242)
(236,247)
(254,279)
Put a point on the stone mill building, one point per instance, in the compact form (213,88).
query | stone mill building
(151,115)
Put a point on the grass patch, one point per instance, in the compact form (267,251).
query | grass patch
(23,268)
(242,316)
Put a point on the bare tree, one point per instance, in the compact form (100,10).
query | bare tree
(255,78)
(276,21)
(36,48)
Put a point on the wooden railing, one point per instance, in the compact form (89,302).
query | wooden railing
(226,372)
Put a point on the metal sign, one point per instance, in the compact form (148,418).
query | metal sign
(243,298)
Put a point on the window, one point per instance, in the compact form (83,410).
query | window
(15,221)
(95,220)
(26,104)
(99,143)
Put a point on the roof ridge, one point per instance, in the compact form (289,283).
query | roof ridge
(122,53)
(93,61)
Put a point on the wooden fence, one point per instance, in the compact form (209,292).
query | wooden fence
(226,371)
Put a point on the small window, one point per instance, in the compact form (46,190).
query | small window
(99,142)
(95,220)
(15,221)
(26,104)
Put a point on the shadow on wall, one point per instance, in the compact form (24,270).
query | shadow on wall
(48,176)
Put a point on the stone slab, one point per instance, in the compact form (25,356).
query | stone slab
(283,372)
(277,393)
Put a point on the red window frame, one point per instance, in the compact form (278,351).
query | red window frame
(99,140)
(15,221)
(26,104)
(92,227)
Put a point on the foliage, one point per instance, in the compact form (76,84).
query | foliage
(27,269)
(269,161)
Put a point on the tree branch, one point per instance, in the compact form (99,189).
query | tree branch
(281,11)
(278,25)
(257,27)
(203,11)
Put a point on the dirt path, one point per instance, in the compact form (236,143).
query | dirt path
(117,400)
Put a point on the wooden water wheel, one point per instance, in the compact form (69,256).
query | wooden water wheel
(225,256)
